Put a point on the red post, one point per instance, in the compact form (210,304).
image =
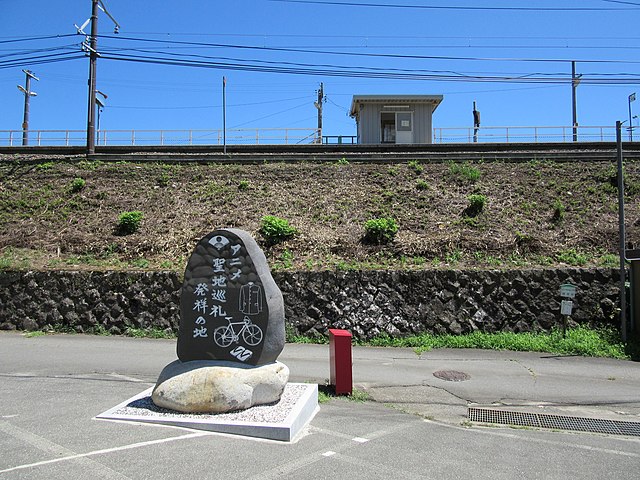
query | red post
(340,361)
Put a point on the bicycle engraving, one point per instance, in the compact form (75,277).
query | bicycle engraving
(226,335)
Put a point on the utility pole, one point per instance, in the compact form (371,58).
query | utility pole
(93,61)
(622,234)
(91,45)
(27,96)
(632,98)
(575,81)
(318,105)
(224,114)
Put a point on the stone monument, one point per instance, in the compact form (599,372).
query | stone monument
(231,330)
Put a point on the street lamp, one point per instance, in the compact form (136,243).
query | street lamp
(632,98)
(26,90)
(101,104)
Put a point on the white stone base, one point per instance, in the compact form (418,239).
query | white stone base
(283,421)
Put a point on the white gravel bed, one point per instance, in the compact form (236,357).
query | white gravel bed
(269,413)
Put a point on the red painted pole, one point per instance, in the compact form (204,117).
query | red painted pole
(340,360)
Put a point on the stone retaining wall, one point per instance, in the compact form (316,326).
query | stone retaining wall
(366,303)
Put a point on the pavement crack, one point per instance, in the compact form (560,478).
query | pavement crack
(528,369)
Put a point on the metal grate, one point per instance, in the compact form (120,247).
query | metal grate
(558,422)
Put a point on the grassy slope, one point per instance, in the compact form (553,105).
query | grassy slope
(537,213)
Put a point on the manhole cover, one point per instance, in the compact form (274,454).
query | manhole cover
(451,375)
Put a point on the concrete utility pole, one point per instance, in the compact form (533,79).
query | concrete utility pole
(318,105)
(622,234)
(632,98)
(224,115)
(26,90)
(93,60)
(575,81)
(91,45)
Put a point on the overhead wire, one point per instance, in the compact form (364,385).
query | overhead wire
(364,72)
(359,54)
(456,7)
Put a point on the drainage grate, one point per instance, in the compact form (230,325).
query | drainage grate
(558,422)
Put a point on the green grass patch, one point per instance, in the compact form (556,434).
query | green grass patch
(35,333)
(149,333)
(578,341)
(464,172)
(583,341)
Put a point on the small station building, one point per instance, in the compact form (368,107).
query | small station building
(402,119)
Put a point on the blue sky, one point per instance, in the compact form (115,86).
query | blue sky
(457,45)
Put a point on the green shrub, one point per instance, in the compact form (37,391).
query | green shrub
(422,185)
(558,212)
(464,172)
(342,161)
(415,165)
(476,205)
(380,230)
(573,257)
(129,222)
(243,185)
(275,229)
(77,184)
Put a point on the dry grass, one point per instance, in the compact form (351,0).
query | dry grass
(43,224)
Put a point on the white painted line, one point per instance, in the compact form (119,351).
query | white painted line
(360,439)
(107,450)
(125,377)
(325,454)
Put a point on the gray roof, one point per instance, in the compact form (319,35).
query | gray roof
(401,99)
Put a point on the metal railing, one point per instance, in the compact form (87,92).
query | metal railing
(293,136)
(258,136)
(523,134)
(339,139)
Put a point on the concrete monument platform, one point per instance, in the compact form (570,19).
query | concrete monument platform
(282,421)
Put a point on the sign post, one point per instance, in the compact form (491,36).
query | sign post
(566,306)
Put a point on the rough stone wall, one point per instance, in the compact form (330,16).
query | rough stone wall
(366,303)
(82,301)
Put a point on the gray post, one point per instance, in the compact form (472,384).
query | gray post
(318,105)
(224,114)
(623,287)
(93,60)
(632,98)
(27,95)
(574,85)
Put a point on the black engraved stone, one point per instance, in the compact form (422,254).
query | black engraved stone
(230,306)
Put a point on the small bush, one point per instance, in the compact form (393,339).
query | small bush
(558,212)
(415,165)
(464,172)
(275,229)
(380,230)
(342,161)
(573,257)
(129,222)
(243,185)
(422,185)
(77,184)
(476,205)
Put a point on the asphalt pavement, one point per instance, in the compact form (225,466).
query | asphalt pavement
(415,425)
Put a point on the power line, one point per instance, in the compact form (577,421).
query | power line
(459,7)
(364,73)
(208,106)
(29,39)
(368,55)
(271,115)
